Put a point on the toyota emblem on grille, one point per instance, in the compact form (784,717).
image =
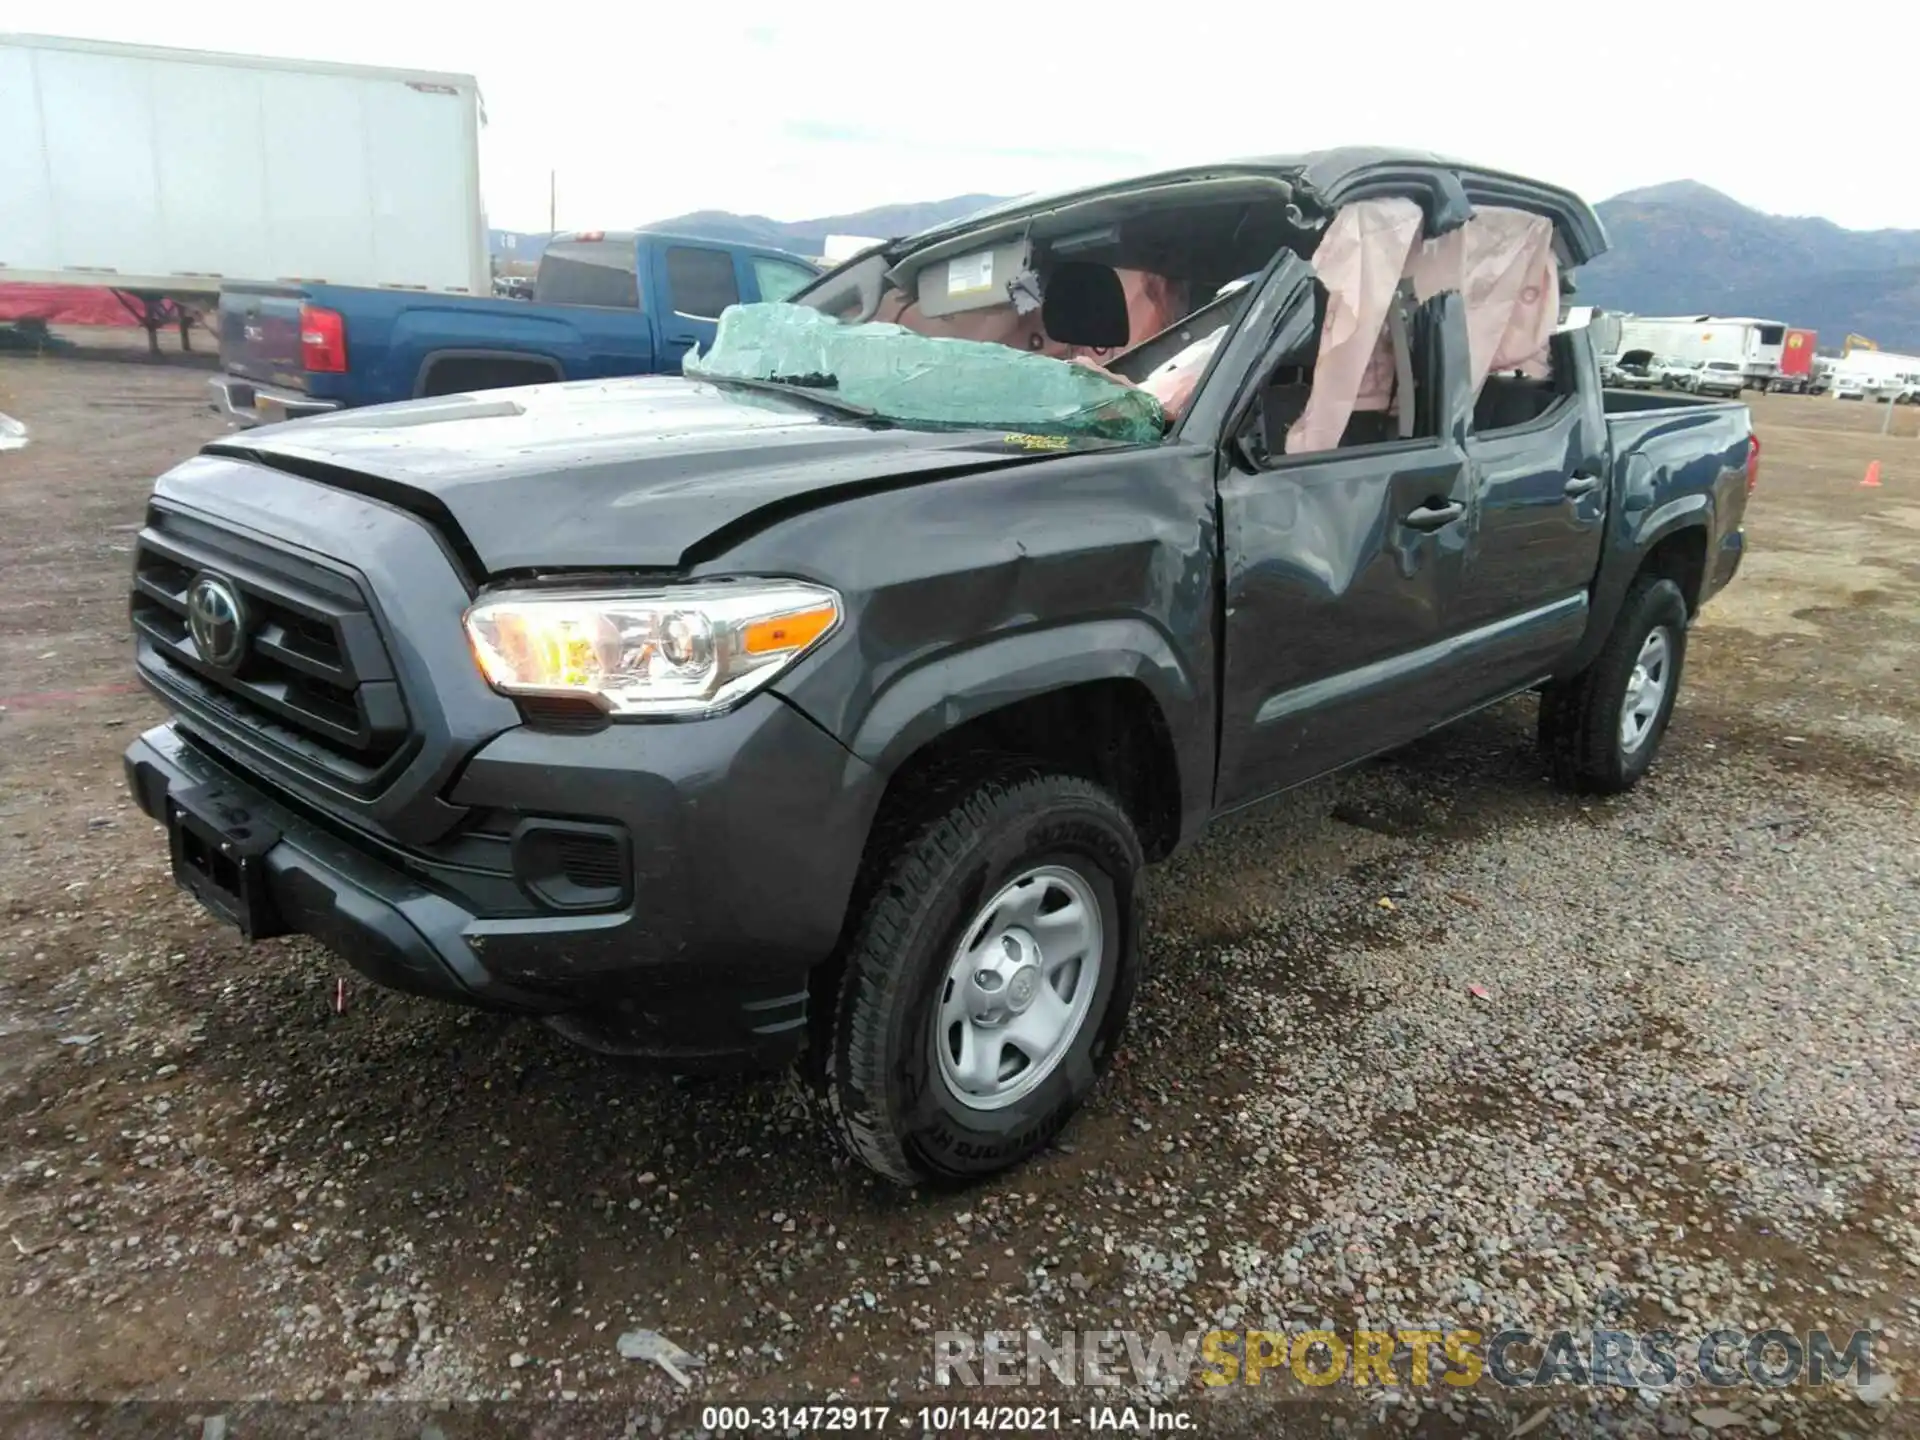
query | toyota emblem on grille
(217,620)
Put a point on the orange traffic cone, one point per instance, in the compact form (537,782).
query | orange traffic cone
(1873,475)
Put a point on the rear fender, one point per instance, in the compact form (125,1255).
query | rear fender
(1644,527)
(1677,514)
(427,331)
(549,366)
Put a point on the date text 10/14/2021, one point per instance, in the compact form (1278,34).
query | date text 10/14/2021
(959,1418)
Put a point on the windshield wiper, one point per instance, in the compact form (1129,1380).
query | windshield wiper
(810,388)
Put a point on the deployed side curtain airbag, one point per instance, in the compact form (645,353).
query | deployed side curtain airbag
(1360,260)
(1502,264)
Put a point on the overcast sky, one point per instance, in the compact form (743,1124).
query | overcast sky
(648,110)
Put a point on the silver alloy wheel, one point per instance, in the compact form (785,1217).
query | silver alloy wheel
(1019,987)
(1646,689)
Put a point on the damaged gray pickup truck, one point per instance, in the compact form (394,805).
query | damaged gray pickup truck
(824,703)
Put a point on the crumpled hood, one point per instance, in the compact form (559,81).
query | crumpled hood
(610,473)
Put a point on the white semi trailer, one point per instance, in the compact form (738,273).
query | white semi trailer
(163,174)
(1755,345)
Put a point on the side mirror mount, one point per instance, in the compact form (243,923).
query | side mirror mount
(1247,451)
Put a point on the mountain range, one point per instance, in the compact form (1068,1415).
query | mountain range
(1685,248)
(1677,249)
(802,237)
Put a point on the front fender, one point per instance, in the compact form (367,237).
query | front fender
(970,593)
(948,689)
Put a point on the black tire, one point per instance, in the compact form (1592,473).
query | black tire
(1580,718)
(882,1077)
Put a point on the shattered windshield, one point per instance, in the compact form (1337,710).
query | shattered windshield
(925,380)
(1093,316)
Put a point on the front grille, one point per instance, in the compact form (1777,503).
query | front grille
(315,683)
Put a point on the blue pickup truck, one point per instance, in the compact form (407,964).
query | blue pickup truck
(604,303)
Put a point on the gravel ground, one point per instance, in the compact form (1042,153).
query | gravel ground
(1422,1046)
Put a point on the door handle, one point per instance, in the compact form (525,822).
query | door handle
(1432,516)
(1581,485)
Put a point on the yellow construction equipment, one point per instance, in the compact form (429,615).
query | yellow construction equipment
(1856,342)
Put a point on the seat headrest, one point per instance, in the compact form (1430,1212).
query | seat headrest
(1085,305)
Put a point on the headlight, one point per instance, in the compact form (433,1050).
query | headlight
(678,650)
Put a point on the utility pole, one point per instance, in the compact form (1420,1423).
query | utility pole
(553,203)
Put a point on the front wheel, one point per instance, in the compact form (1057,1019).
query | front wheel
(988,980)
(1599,730)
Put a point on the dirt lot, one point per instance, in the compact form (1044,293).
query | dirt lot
(1423,1045)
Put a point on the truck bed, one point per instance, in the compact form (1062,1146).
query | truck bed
(1641,402)
(616,304)
(402,344)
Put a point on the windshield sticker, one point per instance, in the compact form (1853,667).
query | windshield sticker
(1035,442)
(970,274)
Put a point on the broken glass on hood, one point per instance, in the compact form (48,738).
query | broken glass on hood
(925,380)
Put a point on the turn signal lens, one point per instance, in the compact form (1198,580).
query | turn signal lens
(790,632)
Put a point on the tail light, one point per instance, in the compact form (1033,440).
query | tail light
(323,340)
(1753,462)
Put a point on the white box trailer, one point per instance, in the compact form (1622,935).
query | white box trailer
(1876,372)
(838,248)
(1602,327)
(163,173)
(1756,345)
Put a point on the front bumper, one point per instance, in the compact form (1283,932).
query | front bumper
(246,402)
(746,831)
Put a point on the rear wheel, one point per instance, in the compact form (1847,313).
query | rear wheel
(988,980)
(1599,730)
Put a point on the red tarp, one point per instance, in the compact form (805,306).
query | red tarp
(62,305)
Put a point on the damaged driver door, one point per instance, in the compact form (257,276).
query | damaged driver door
(1340,567)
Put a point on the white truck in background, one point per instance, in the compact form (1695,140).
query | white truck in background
(1875,375)
(1755,345)
(162,174)
(837,249)
(1603,327)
